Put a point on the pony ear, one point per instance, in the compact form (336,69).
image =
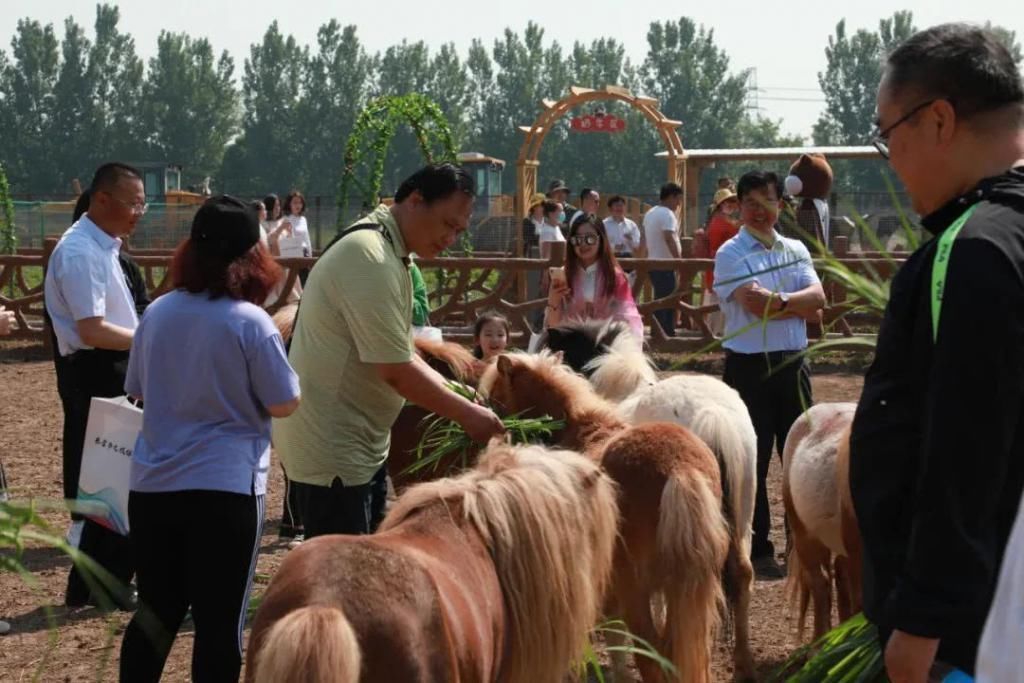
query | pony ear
(559,356)
(504,365)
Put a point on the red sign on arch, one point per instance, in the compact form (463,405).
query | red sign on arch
(592,123)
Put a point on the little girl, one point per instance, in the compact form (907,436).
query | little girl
(490,333)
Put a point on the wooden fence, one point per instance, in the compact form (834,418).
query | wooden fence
(464,287)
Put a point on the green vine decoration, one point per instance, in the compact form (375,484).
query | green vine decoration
(368,143)
(8,239)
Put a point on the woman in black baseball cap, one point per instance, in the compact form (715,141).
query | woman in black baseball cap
(212,369)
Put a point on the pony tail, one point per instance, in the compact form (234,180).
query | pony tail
(692,533)
(736,457)
(312,643)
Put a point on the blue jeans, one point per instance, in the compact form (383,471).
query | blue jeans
(664,283)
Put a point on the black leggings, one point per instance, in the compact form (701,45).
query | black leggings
(186,561)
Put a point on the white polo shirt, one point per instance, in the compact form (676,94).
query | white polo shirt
(84,279)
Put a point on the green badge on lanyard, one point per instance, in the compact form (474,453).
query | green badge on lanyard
(941,265)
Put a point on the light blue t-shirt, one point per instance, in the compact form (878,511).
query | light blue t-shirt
(786,267)
(206,370)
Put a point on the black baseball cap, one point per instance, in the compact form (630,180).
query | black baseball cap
(557,186)
(226,225)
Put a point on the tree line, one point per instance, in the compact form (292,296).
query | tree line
(281,121)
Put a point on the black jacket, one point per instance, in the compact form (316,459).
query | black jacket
(937,448)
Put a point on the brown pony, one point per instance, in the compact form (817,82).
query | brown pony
(825,547)
(674,539)
(496,575)
(451,360)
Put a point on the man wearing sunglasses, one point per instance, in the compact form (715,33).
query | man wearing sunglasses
(937,447)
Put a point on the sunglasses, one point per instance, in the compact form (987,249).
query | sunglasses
(580,240)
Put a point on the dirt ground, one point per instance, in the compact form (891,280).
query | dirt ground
(82,645)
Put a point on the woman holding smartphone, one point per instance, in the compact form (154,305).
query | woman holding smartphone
(592,284)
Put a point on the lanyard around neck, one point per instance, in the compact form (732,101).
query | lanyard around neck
(941,265)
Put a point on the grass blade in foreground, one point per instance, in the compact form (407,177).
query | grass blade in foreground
(636,646)
(849,653)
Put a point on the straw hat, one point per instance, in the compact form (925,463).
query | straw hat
(537,199)
(722,195)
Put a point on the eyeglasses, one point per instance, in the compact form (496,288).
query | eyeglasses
(135,208)
(881,139)
(579,240)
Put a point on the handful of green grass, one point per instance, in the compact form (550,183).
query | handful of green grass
(849,653)
(444,438)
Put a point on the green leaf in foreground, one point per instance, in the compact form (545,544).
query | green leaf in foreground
(849,653)
(634,645)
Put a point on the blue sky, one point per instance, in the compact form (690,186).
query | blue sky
(785,42)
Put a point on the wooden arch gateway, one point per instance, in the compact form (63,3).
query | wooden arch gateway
(528,163)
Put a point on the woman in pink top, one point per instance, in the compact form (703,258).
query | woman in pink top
(593,285)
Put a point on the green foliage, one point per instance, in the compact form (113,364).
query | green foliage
(22,525)
(336,83)
(851,76)
(635,646)
(269,154)
(849,653)
(8,238)
(689,74)
(367,147)
(191,107)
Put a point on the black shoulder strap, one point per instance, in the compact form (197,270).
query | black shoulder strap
(344,233)
(359,226)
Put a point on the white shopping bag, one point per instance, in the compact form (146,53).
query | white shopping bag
(291,247)
(110,434)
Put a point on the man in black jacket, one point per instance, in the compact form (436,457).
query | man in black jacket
(937,448)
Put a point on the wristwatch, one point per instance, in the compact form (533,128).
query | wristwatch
(784,298)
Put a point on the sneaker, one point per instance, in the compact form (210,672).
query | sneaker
(74,536)
(5,628)
(296,541)
(767,569)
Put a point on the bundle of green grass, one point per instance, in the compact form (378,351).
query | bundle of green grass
(849,653)
(443,437)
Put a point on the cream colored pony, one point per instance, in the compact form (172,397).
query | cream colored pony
(825,543)
(716,414)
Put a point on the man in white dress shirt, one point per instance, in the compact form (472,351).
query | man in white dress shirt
(623,233)
(94,319)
